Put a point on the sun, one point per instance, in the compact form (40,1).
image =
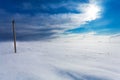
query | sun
(93,11)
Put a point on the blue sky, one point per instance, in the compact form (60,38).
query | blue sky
(47,19)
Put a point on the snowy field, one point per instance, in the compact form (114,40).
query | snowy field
(60,60)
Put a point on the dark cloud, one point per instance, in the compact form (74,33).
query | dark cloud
(41,19)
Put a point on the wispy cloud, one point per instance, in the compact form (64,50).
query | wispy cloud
(78,13)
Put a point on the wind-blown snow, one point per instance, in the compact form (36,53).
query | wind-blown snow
(60,60)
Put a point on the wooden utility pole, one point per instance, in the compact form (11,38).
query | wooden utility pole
(14,35)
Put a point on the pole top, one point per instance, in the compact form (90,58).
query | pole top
(13,21)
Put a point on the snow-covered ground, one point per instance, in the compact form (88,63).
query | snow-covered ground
(60,60)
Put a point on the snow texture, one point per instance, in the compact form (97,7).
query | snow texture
(60,60)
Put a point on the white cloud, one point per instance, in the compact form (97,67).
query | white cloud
(88,12)
(85,38)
